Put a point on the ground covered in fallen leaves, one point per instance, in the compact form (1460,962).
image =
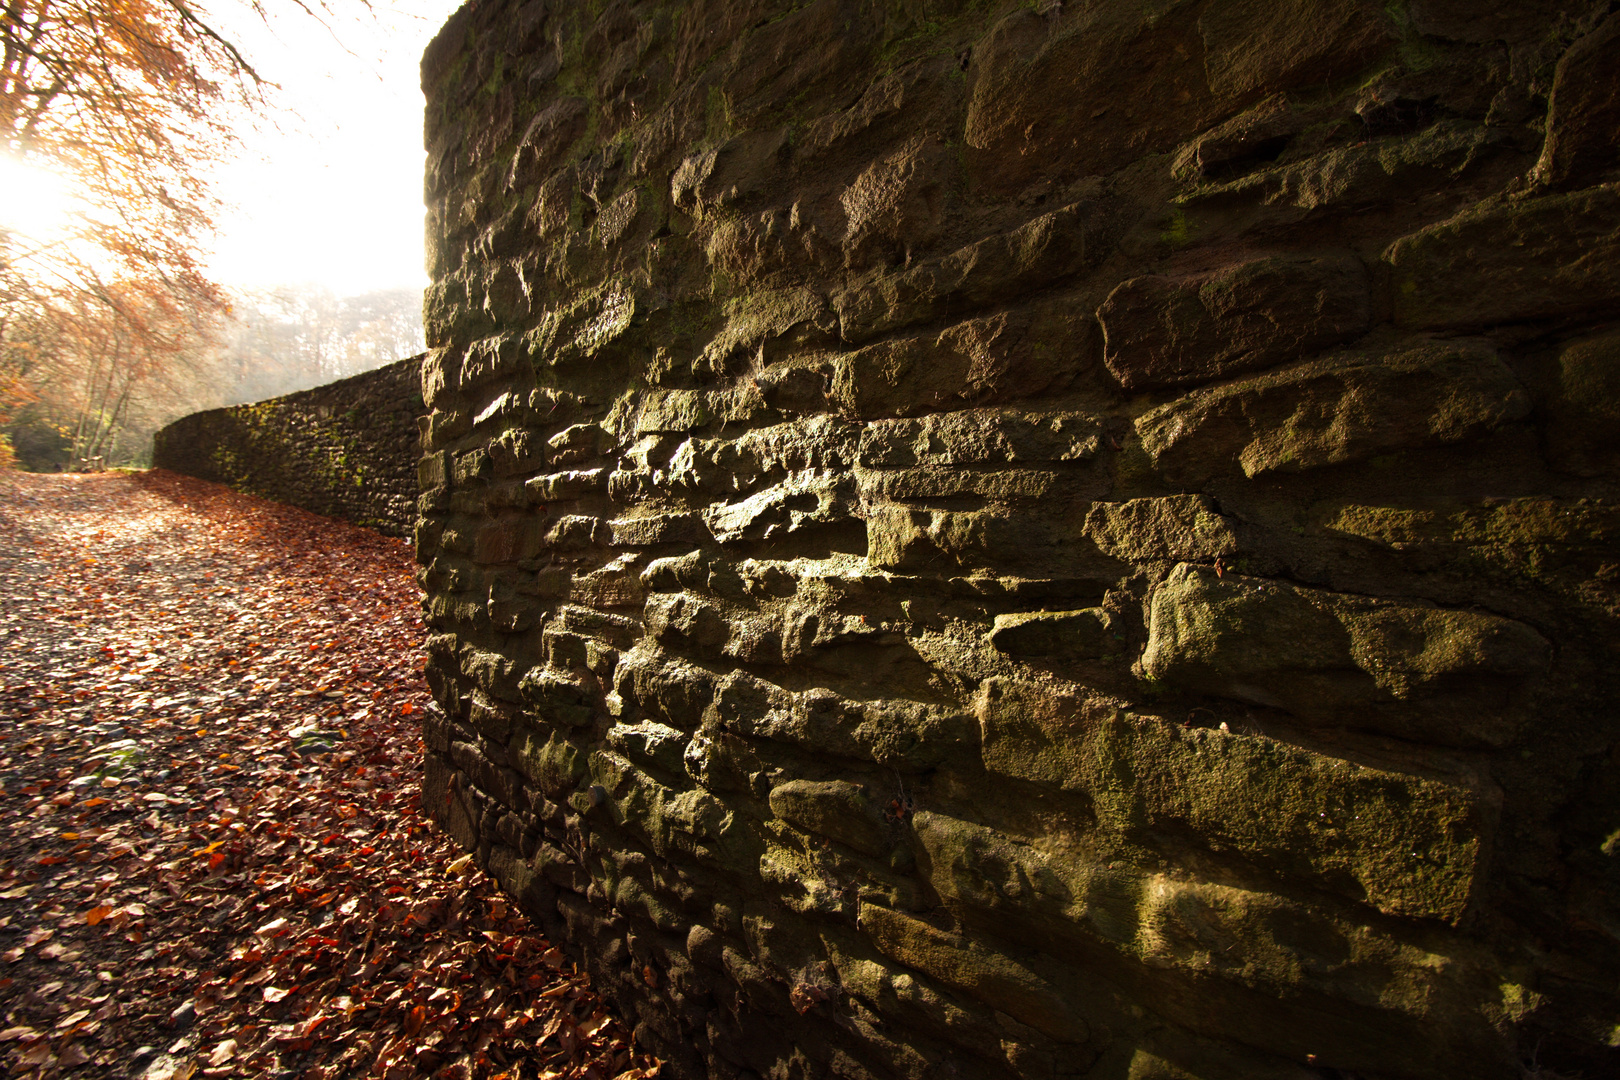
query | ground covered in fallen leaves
(213,859)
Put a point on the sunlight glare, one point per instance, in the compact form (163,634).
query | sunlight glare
(33,201)
(332,194)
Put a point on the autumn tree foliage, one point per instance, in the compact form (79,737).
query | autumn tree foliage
(130,98)
(130,102)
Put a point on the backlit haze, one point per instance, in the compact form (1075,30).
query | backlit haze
(326,187)
(36,203)
(329,190)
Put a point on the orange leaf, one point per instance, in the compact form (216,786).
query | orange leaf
(414,1022)
(210,849)
(96,914)
(91,804)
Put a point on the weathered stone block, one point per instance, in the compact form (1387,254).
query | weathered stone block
(1583,412)
(1583,112)
(431,471)
(571,532)
(683,620)
(1405,844)
(1025,62)
(492,779)
(670,689)
(990,358)
(1161,331)
(833,808)
(561,487)
(692,821)
(1174,527)
(509,540)
(943,541)
(495,674)
(893,733)
(1411,670)
(663,411)
(1073,635)
(1250,47)
(801,503)
(1552,257)
(994,978)
(1001,267)
(557,699)
(651,530)
(651,744)
(978,437)
(1332,411)
(556,767)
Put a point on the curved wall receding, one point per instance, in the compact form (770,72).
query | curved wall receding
(347,450)
(1037,540)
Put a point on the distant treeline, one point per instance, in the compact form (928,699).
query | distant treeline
(94,397)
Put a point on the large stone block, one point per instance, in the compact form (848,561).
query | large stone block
(835,809)
(994,978)
(1583,410)
(1251,47)
(1025,62)
(1583,112)
(1553,258)
(1175,528)
(998,268)
(1333,411)
(1078,635)
(1007,356)
(1404,844)
(555,767)
(1331,990)
(977,437)
(1416,671)
(802,503)
(1161,331)
(894,733)
(945,541)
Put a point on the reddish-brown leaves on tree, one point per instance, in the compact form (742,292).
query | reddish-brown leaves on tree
(212,857)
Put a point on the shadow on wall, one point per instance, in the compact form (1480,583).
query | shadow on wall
(1012,540)
(347,450)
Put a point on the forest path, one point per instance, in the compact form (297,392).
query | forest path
(213,859)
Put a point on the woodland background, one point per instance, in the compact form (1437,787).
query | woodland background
(110,323)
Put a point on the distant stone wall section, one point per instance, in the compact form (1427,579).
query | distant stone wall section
(349,449)
(1038,540)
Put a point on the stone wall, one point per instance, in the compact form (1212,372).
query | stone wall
(347,450)
(1046,540)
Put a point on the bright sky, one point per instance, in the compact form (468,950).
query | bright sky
(36,202)
(334,197)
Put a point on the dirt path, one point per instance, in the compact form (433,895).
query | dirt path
(212,858)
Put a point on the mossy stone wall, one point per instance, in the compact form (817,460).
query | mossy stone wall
(349,449)
(1040,540)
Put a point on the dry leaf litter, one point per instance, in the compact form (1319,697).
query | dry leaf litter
(213,860)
